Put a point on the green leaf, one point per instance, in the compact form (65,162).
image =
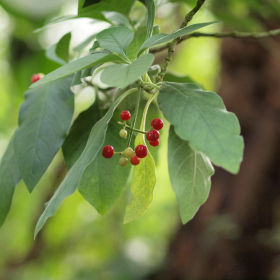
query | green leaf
(95,8)
(94,46)
(104,179)
(115,39)
(137,42)
(116,18)
(62,49)
(144,181)
(151,17)
(122,75)
(77,65)
(77,79)
(177,78)
(73,177)
(76,140)
(59,52)
(88,72)
(190,173)
(9,178)
(44,119)
(200,117)
(160,38)
(54,21)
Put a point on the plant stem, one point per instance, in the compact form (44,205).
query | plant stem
(151,85)
(135,114)
(234,34)
(173,44)
(136,130)
(142,127)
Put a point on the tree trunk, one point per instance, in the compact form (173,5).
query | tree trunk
(231,237)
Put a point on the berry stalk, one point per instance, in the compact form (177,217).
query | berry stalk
(133,129)
(135,114)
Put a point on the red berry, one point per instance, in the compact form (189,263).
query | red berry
(154,143)
(141,151)
(108,151)
(125,115)
(157,124)
(36,77)
(152,135)
(135,160)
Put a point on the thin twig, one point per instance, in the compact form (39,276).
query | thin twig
(173,44)
(234,34)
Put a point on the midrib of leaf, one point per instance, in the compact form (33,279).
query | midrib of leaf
(187,97)
(118,45)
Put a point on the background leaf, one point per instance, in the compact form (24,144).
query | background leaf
(183,79)
(144,181)
(122,75)
(9,178)
(151,17)
(59,52)
(44,119)
(77,79)
(115,39)
(94,9)
(77,65)
(117,18)
(137,42)
(104,179)
(200,117)
(73,177)
(62,49)
(160,38)
(190,173)
(76,140)
(54,21)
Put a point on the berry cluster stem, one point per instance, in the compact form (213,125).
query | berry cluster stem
(152,85)
(142,127)
(135,130)
(135,115)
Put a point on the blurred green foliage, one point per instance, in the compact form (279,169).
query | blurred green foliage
(78,243)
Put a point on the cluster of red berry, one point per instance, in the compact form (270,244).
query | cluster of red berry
(141,151)
(153,135)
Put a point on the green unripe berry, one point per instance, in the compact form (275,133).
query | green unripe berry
(128,152)
(123,133)
(123,161)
